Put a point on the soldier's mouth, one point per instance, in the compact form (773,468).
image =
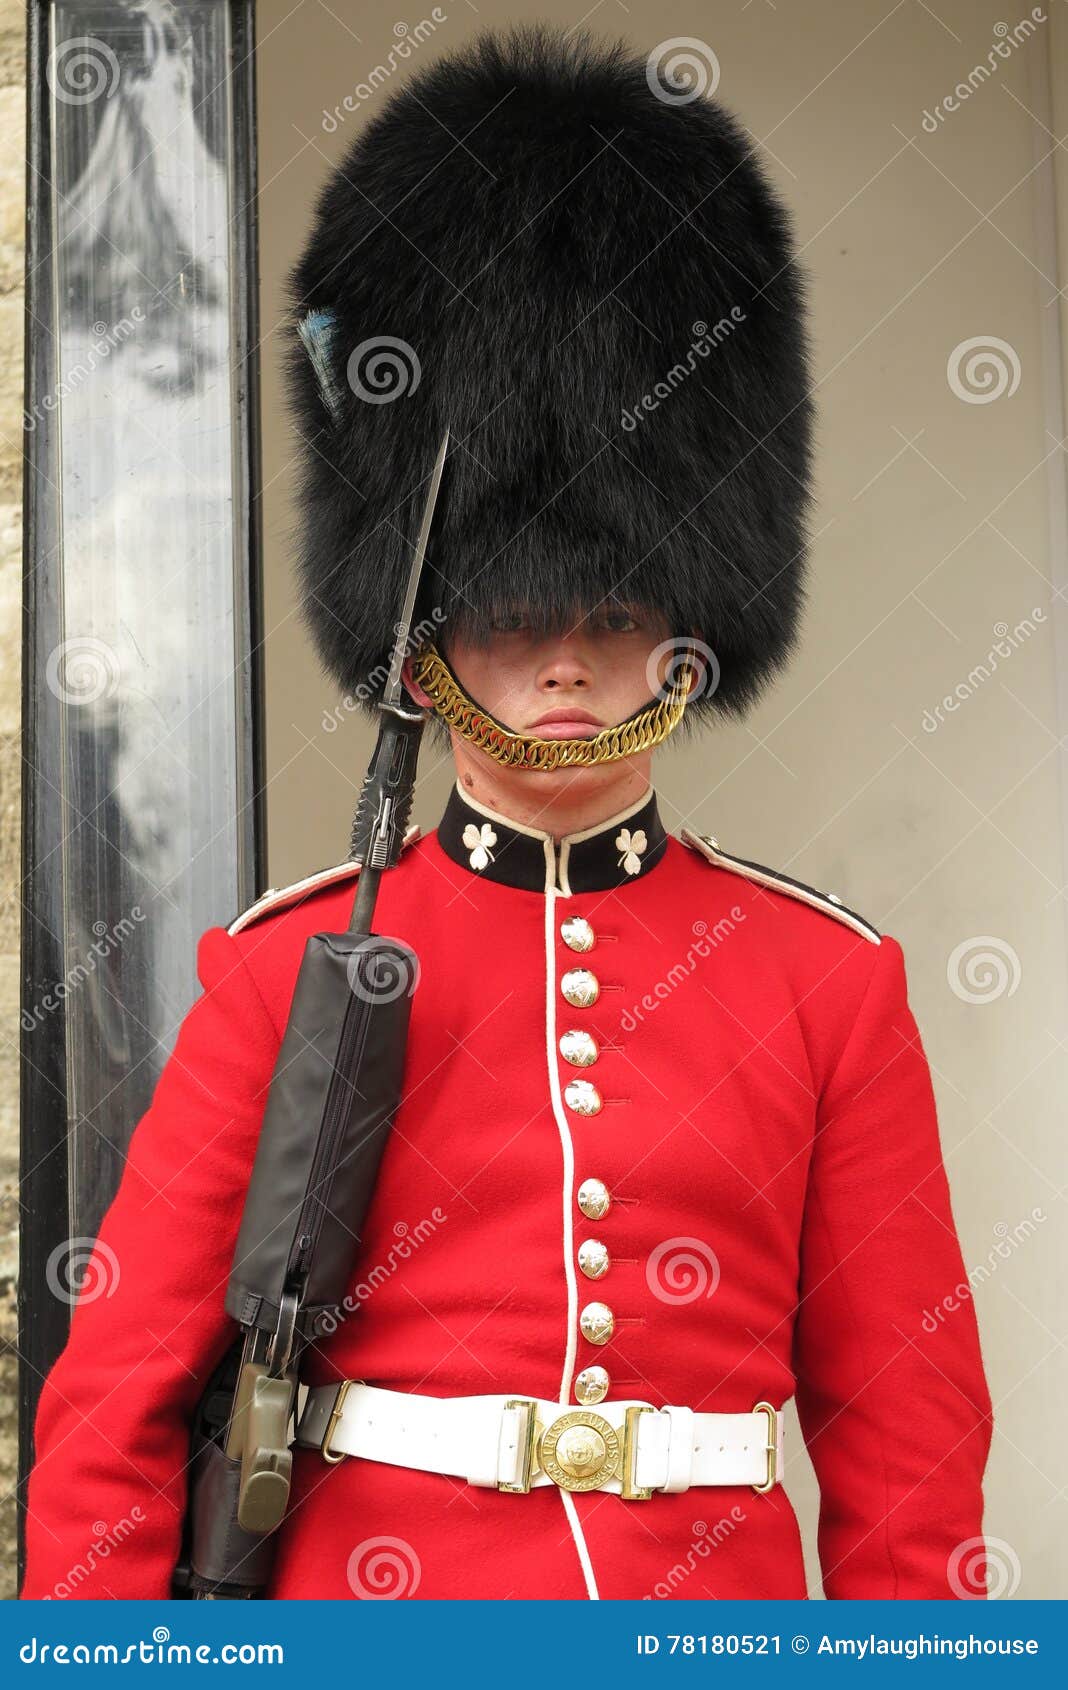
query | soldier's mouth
(567,729)
(566,722)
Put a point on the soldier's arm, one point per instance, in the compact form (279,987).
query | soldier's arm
(892,1397)
(107,1490)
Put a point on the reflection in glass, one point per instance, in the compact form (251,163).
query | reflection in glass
(144,671)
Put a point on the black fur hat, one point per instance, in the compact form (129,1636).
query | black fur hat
(541,243)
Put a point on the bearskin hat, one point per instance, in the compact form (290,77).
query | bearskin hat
(545,244)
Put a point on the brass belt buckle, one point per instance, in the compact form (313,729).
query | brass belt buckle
(773,1426)
(632,1492)
(331,1425)
(530,1438)
(579,1450)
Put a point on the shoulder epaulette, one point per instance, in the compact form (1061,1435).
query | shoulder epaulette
(828,902)
(276,898)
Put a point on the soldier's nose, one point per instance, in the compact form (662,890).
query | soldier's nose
(565,668)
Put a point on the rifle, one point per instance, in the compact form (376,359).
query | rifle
(341,1066)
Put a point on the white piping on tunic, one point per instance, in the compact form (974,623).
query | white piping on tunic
(767,877)
(557,884)
(569,1181)
(581,1545)
(570,839)
(496,816)
(276,898)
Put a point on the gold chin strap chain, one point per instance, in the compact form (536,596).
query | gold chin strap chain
(637,733)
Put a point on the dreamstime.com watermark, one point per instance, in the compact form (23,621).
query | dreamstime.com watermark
(107,339)
(681,70)
(79,1270)
(1007,641)
(1003,48)
(106,1539)
(983,969)
(407,1240)
(692,653)
(408,40)
(682,1270)
(107,940)
(382,369)
(704,1539)
(159,1652)
(383,1569)
(706,339)
(983,369)
(984,1567)
(1009,1240)
(370,688)
(82,69)
(705,941)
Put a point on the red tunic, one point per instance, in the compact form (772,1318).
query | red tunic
(779,1223)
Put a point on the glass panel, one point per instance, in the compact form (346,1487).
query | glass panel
(144,670)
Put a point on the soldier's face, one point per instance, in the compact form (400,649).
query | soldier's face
(590,676)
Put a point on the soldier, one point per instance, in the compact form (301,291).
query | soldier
(667,1153)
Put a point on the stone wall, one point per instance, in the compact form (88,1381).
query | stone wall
(12,220)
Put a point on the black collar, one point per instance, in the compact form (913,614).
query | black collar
(625,847)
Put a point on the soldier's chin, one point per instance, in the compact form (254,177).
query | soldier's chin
(575,777)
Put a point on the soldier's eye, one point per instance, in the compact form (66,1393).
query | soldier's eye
(619,620)
(510,622)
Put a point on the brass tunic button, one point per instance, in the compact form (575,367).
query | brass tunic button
(593,1199)
(591,1385)
(593,1258)
(577,933)
(597,1322)
(578,1047)
(582,1097)
(580,987)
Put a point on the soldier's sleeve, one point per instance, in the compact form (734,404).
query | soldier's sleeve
(107,1490)
(891,1390)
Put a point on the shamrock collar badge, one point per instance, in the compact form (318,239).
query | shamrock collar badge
(631,846)
(478,841)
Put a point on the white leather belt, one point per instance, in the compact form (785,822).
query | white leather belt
(514,1443)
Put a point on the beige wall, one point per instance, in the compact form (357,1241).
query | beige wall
(939,519)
